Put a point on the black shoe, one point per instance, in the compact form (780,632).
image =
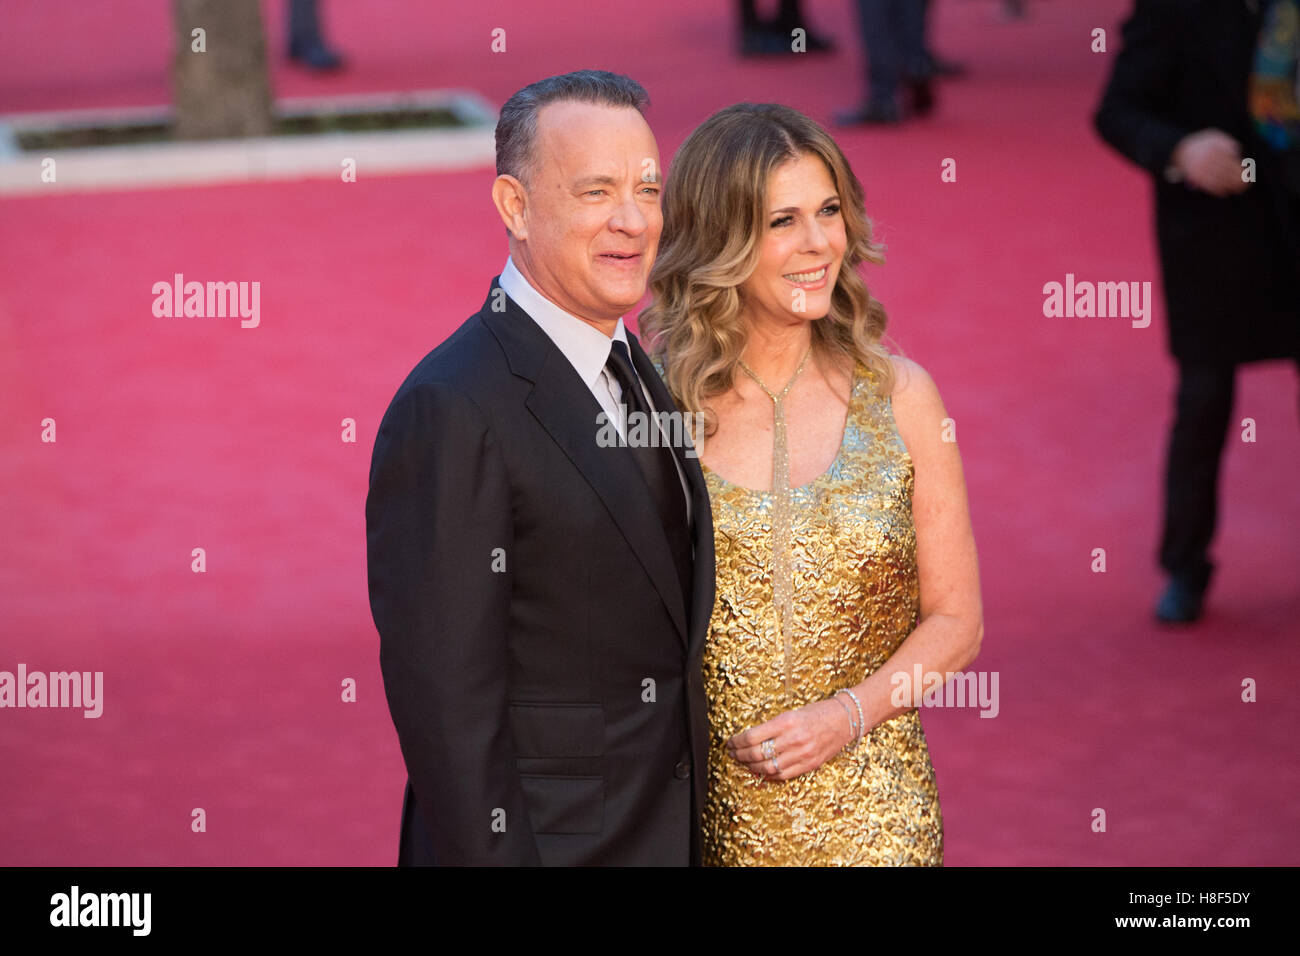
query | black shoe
(941,67)
(316,56)
(774,41)
(874,113)
(1180,604)
(819,44)
(920,96)
(764,42)
(1012,10)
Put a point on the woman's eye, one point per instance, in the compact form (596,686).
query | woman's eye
(832,209)
(783,221)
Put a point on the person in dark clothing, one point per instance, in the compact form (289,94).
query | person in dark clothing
(1202,96)
(899,70)
(760,37)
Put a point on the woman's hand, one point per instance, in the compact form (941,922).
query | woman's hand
(801,740)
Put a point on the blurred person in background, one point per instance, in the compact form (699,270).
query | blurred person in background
(898,72)
(1198,87)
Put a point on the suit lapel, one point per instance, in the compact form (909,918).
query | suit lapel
(701,508)
(664,402)
(565,407)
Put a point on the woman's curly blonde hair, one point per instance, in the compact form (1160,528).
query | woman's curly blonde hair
(714,219)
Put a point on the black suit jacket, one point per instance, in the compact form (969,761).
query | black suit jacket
(1231,266)
(541,671)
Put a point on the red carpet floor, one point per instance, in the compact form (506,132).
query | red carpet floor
(222,690)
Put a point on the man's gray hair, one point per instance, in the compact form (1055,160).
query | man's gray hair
(517,128)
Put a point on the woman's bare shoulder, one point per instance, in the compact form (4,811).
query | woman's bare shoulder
(915,400)
(911,382)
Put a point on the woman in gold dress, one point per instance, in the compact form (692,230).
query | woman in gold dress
(844,549)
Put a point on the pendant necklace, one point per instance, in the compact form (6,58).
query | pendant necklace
(782,578)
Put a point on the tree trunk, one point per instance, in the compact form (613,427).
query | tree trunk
(221,86)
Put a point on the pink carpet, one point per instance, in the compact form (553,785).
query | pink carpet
(222,690)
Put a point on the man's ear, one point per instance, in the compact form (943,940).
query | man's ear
(511,200)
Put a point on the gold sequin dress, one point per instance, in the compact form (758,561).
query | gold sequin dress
(855,597)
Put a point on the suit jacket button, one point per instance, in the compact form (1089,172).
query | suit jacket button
(682,771)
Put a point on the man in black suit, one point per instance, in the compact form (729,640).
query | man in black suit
(541,594)
(1180,104)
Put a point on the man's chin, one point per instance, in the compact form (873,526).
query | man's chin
(623,299)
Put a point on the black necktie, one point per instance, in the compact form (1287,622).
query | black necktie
(655,459)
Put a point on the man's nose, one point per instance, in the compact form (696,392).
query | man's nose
(629,218)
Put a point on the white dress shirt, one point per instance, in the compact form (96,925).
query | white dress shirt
(587,349)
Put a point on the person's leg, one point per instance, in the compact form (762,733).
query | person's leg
(1203,408)
(878,25)
(915,66)
(911,38)
(925,33)
(305,41)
